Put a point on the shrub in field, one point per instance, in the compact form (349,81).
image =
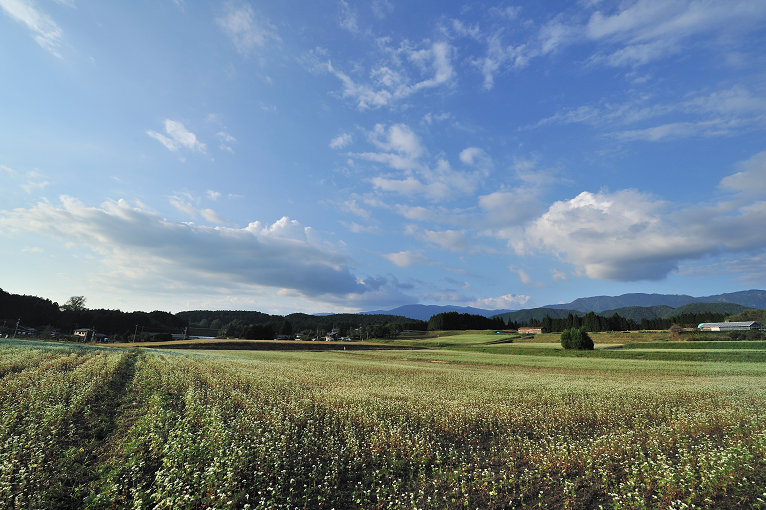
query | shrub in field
(575,338)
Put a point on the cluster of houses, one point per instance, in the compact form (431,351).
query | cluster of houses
(332,336)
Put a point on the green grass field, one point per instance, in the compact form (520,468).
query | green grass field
(471,424)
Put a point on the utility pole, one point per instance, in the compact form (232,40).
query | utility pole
(134,334)
(17,328)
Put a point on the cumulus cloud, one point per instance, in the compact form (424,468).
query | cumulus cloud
(45,31)
(177,137)
(503,209)
(246,30)
(599,233)
(140,244)
(398,138)
(628,236)
(399,148)
(341,141)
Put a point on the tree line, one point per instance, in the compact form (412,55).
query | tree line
(593,322)
(49,318)
(588,322)
(457,321)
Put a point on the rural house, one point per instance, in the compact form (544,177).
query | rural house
(534,331)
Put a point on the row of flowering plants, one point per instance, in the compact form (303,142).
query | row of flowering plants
(356,430)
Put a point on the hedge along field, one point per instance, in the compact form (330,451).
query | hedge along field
(100,428)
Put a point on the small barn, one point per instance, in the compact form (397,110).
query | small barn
(534,331)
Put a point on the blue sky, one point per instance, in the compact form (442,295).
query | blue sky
(341,156)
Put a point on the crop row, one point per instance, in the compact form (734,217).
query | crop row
(285,430)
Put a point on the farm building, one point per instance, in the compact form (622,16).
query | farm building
(533,330)
(89,335)
(729,326)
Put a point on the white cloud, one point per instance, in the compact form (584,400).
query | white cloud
(46,32)
(453,240)
(178,137)
(246,30)
(438,183)
(212,217)
(35,182)
(401,150)
(599,234)
(477,158)
(146,249)
(523,276)
(183,203)
(677,130)
(225,141)
(504,302)
(649,29)
(391,81)
(628,235)
(417,212)
(213,195)
(382,8)
(751,178)
(353,207)
(556,34)
(400,147)
(341,141)
(398,138)
(722,112)
(348,18)
(356,228)
(509,208)
(405,258)
(188,205)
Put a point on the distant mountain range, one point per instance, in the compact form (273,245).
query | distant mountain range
(425,312)
(635,306)
(748,298)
